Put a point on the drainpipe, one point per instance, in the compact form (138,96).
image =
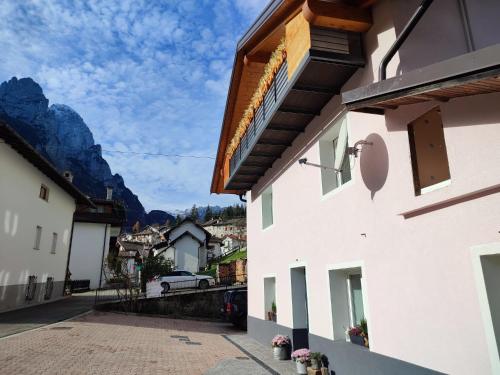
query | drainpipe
(102,260)
(382,71)
(69,253)
(242,199)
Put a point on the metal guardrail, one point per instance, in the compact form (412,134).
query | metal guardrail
(235,280)
(261,118)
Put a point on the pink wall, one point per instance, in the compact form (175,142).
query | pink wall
(422,299)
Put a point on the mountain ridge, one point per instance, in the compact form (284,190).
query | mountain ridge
(60,134)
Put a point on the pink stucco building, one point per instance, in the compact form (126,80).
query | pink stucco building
(371,198)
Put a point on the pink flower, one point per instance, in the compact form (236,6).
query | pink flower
(302,355)
(280,340)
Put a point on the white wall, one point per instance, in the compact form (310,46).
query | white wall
(186,254)
(86,252)
(190,227)
(20,212)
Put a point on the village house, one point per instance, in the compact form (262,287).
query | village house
(232,242)
(370,164)
(221,228)
(214,247)
(186,245)
(37,204)
(131,252)
(95,232)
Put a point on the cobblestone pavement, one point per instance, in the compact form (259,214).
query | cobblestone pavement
(107,343)
(110,343)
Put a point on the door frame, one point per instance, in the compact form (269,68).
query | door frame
(301,265)
(477,252)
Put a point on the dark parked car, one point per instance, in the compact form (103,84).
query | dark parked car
(235,307)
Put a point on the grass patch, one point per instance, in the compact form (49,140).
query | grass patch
(241,254)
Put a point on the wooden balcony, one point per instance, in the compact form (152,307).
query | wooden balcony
(319,61)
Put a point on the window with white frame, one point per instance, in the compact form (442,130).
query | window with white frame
(54,243)
(267,207)
(333,155)
(346,296)
(38,237)
(270,298)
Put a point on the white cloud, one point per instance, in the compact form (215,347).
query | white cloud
(145,76)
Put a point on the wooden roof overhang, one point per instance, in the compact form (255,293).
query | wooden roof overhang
(472,73)
(313,73)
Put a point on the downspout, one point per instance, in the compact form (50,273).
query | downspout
(102,260)
(466,23)
(69,253)
(382,71)
(242,199)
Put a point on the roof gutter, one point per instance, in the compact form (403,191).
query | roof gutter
(382,71)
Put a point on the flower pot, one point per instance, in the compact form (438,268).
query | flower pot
(358,340)
(301,367)
(315,364)
(280,352)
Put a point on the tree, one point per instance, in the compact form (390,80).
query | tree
(194,213)
(178,219)
(154,266)
(208,214)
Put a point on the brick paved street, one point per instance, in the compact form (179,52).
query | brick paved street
(107,343)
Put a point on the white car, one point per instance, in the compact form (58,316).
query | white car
(177,280)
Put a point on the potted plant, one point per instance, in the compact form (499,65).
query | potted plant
(280,345)
(359,334)
(301,358)
(316,360)
(273,309)
(271,315)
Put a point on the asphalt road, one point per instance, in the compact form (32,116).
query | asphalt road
(17,321)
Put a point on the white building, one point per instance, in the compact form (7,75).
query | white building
(186,245)
(232,242)
(92,230)
(36,210)
(372,180)
(221,228)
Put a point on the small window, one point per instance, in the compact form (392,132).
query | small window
(346,294)
(428,152)
(38,238)
(44,193)
(267,208)
(334,156)
(270,298)
(49,286)
(31,289)
(54,243)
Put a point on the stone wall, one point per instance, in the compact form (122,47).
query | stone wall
(202,304)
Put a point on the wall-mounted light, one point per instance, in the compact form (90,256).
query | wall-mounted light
(354,150)
(305,162)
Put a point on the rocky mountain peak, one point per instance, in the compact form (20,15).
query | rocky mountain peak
(23,99)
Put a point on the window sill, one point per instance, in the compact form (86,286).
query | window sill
(337,190)
(269,227)
(439,185)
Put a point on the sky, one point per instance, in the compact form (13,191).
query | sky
(146,76)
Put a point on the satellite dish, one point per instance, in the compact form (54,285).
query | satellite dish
(341,145)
